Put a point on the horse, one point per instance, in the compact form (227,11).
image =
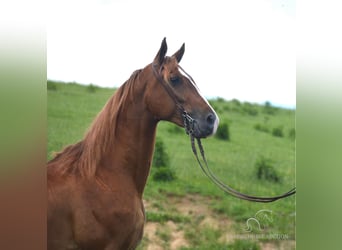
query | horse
(95,186)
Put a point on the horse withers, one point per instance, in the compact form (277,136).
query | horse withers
(95,186)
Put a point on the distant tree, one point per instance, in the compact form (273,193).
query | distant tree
(236,102)
(269,109)
(91,88)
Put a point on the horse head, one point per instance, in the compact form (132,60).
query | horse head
(174,95)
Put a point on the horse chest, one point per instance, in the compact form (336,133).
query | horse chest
(112,222)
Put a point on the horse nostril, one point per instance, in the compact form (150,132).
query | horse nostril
(211,118)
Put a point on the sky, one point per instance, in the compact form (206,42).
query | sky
(241,50)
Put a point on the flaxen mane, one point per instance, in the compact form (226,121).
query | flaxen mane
(83,157)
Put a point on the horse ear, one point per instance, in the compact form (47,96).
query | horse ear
(161,53)
(179,54)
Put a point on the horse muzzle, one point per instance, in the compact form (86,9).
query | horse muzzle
(201,127)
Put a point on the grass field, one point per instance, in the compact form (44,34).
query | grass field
(191,212)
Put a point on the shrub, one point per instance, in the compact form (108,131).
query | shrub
(292,133)
(164,174)
(236,102)
(261,128)
(161,162)
(278,132)
(220,100)
(223,132)
(160,157)
(235,106)
(265,170)
(51,86)
(91,88)
(250,109)
(268,109)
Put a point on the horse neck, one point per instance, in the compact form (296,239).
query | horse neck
(132,150)
(127,152)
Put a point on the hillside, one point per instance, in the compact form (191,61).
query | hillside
(258,159)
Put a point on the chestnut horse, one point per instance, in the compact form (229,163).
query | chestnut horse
(95,186)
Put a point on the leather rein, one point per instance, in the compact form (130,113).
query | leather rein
(189,125)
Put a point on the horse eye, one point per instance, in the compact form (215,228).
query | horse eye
(174,80)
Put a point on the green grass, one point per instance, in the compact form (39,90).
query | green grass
(164,217)
(72,107)
(70,110)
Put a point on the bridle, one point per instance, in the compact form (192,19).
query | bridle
(189,125)
(189,122)
(225,187)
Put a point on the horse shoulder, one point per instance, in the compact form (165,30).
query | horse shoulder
(107,216)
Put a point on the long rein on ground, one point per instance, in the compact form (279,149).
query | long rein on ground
(189,125)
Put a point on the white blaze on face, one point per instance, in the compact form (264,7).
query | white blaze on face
(217,120)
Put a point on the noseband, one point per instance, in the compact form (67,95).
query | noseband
(189,124)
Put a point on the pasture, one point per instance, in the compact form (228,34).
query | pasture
(190,212)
